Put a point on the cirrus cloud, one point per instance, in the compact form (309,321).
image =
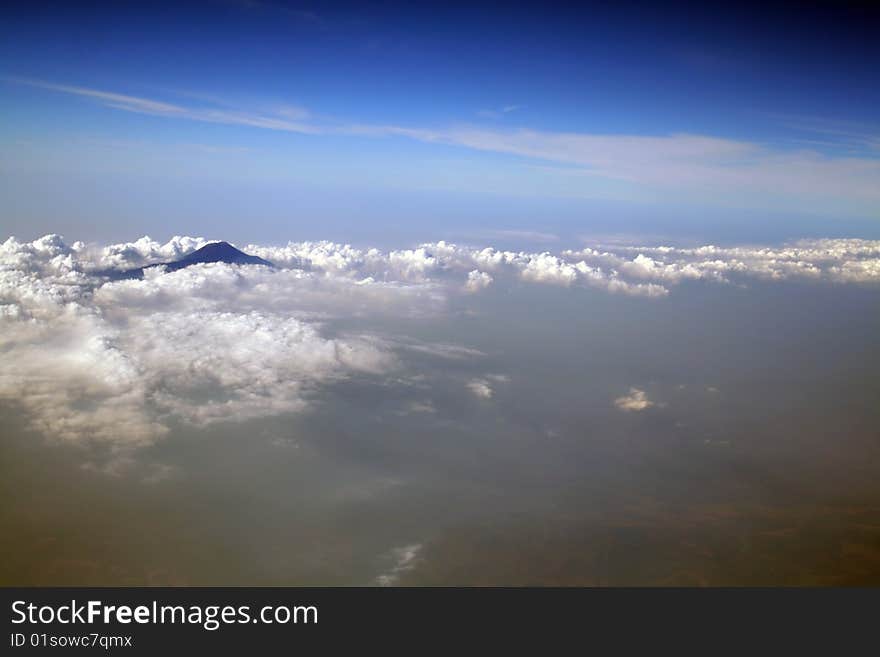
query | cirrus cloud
(708,168)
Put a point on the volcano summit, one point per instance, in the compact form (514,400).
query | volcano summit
(213,252)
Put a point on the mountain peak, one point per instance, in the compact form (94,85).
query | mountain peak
(217,252)
(212,252)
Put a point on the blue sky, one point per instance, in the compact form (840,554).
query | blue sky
(272,120)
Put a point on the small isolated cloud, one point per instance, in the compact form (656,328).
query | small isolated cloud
(636,400)
(404,560)
(481,388)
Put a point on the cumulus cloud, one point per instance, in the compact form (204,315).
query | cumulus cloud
(440,261)
(145,251)
(478,280)
(833,260)
(633,270)
(210,366)
(482,388)
(636,400)
(115,362)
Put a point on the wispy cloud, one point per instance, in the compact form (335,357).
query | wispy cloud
(499,112)
(288,118)
(404,560)
(715,169)
(851,134)
(119,101)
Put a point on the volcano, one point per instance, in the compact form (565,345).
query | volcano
(213,252)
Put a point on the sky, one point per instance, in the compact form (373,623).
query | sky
(556,296)
(389,123)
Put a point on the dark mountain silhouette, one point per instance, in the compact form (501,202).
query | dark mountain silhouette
(216,252)
(213,252)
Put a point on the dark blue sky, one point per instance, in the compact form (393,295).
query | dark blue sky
(614,117)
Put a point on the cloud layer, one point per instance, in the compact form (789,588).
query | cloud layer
(117,363)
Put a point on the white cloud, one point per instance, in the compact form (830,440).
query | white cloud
(833,260)
(636,400)
(115,362)
(145,251)
(478,280)
(288,119)
(441,350)
(481,388)
(219,366)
